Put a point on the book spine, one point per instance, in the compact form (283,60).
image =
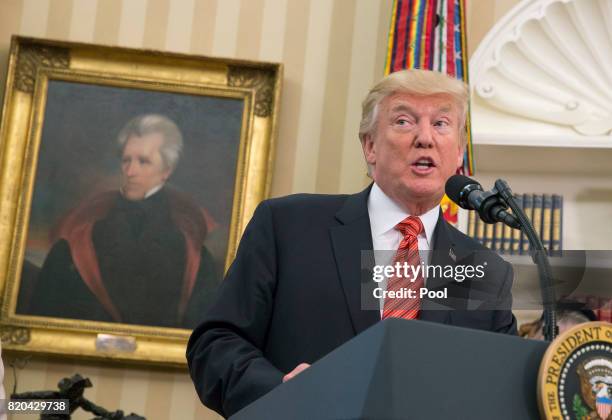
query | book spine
(507,238)
(471,224)
(546,221)
(480,228)
(515,243)
(528,209)
(557,213)
(489,235)
(498,237)
(537,214)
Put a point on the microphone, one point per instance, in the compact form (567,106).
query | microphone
(491,207)
(469,195)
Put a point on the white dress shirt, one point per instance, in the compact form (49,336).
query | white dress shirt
(149,193)
(384,215)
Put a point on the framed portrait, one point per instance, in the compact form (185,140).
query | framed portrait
(127,178)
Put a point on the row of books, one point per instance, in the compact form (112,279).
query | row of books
(546,214)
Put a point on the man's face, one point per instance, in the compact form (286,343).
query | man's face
(415,148)
(142,165)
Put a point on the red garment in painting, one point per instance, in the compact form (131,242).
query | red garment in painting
(77,226)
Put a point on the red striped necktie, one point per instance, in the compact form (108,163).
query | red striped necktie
(407,252)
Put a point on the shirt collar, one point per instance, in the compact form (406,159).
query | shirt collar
(385,214)
(154,190)
(148,193)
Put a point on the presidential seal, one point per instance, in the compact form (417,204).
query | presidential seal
(575,378)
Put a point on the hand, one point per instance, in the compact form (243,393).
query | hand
(297,370)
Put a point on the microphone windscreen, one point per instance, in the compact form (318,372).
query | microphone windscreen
(456,184)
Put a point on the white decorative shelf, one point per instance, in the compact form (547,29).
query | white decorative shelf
(551,158)
(587,142)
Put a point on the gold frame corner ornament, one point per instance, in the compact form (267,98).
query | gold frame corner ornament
(14,335)
(260,79)
(32,63)
(32,57)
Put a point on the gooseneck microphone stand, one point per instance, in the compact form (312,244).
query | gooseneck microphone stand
(540,258)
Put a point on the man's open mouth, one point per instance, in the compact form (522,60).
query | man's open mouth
(424,163)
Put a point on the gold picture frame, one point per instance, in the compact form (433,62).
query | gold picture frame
(64,102)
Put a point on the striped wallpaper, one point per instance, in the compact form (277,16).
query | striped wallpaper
(332,52)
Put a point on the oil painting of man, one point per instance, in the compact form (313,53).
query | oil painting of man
(134,255)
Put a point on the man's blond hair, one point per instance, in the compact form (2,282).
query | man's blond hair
(414,82)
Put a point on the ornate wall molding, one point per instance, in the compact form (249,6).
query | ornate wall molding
(550,61)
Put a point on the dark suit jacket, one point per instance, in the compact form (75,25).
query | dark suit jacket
(294,293)
(119,260)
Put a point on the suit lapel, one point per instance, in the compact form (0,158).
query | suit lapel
(446,253)
(351,237)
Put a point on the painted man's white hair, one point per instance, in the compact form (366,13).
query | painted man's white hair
(142,125)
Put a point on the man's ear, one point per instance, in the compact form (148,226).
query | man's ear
(369,149)
(460,157)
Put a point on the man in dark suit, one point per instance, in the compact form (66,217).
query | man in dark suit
(298,287)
